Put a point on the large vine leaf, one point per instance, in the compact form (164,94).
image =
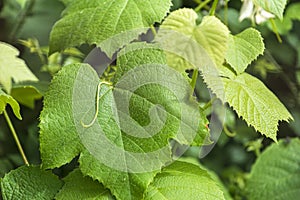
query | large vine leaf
(273,6)
(79,187)
(275,174)
(94,22)
(59,141)
(182,180)
(12,67)
(243,48)
(127,148)
(123,185)
(253,101)
(188,45)
(30,182)
(7,99)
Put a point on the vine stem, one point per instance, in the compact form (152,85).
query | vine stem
(201,5)
(213,8)
(153,30)
(194,79)
(21,18)
(12,129)
(274,27)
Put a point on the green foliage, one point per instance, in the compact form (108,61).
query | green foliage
(83,21)
(208,38)
(243,48)
(12,68)
(7,99)
(275,174)
(251,99)
(79,187)
(78,79)
(26,94)
(180,180)
(30,182)
(118,136)
(274,6)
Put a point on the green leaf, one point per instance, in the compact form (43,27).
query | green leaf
(7,99)
(243,48)
(79,187)
(59,141)
(275,174)
(130,136)
(123,185)
(274,6)
(97,22)
(27,93)
(30,182)
(188,44)
(293,10)
(12,67)
(255,103)
(22,3)
(182,180)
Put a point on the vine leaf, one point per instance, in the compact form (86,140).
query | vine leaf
(188,44)
(182,180)
(123,185)
(12,67)
(243,48)
(79,187)
(155,115)
(7,99)
(253,101)
(275,174)
(27,182)
(94,22)
(274,6)
(59,141)
(27,92)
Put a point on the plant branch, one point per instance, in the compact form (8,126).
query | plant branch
(213,8)
(194,79)
(201,5)
(21,19)
(12,129)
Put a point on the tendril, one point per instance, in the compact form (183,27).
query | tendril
(97,105)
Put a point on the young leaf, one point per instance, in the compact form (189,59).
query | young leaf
(7,99)
(182,180)
(243,48)
(275,174)
(188,44)
(274,6)
(95,22)
(79,187)
(253,101)
(12,67)
(27,93)
(30,182)
(292,11)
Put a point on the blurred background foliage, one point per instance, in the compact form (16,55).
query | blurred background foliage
(238,145)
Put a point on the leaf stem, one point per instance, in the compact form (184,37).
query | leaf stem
(194,79)
(213,8)
(209,104)
(21,19)
(274,27)
(12,129)
(153,30)
(201,5)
